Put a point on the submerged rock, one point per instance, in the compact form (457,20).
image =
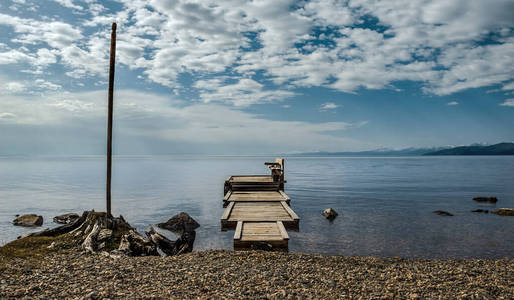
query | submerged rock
(480,210)
(443,213)
(66,218)
(503,211)
(180,223)
(330,213)
(30,220)
(486,199)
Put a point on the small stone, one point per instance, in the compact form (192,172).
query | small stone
(443,213)
(480,210)
(503,211)
(29,220)
(51,246)
(330,213)
(486,199)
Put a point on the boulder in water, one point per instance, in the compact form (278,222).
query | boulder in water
(503,211)
(443,213)
(180,223)
(486,199)
(480,210)
(330,213)
(30,220)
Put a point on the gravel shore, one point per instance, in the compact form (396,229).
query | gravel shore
(255,274)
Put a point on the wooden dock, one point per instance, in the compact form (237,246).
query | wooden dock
(258,209)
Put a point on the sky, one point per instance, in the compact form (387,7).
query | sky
(255,77)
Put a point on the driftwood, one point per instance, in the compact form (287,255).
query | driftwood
(66,218)
(95,231)
(165,244)
(134,244)
(183,244)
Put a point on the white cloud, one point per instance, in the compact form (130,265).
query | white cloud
(7,115)
(13,87)
(452,103)
(508,86)
(328,106)
(438,43)
(508,102)
(136,114)
(242,93)
(69,4)
(14,56)
(46,57)
(47,85)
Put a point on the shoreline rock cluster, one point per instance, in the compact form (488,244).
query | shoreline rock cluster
(254,275)
(99,231)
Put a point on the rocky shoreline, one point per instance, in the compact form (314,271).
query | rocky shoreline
(254,274)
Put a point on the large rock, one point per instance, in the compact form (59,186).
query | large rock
(330,213)
(503,211)
(66,218)
(486,199)
(29,220)
(443,213)
(180,223)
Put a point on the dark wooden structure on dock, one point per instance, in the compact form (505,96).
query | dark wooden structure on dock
(257,208)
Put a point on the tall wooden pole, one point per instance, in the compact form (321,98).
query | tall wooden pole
(109,122)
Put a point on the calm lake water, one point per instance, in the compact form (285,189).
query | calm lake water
(385,204)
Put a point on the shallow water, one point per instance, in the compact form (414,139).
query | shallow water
(385,204)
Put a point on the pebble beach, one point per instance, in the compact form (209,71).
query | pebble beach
(225,274)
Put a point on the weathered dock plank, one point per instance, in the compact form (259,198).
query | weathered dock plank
(258,211)
(258,232)
(262,196)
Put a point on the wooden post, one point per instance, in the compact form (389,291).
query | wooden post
(109,118)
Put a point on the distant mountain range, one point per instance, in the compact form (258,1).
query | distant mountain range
(497,149)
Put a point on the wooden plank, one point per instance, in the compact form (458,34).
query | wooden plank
(282,230)
(227,196)
(239,228)
(251,178)
(290,211)
(286,197)
(227,211)
(256,196)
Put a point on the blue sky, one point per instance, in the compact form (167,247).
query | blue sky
(255,77)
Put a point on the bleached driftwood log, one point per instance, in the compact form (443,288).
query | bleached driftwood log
(183,244)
